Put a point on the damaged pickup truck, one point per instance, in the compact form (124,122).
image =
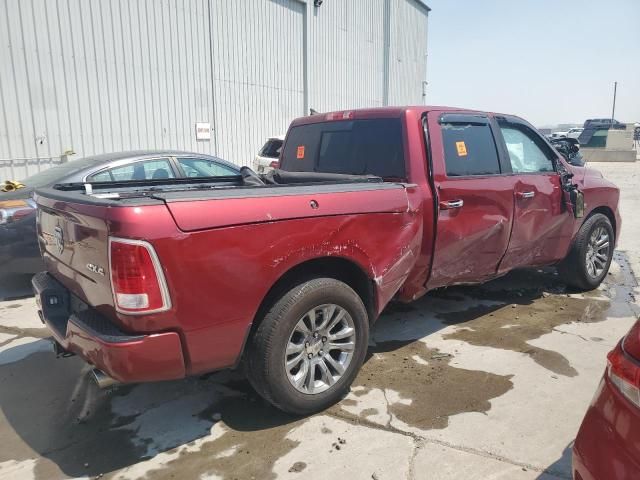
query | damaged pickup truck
(285,273)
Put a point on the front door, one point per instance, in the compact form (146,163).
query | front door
(475,198)
(542,224)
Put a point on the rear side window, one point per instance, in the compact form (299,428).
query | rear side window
(156,169)
(202,167)
(469,149)
(357,147)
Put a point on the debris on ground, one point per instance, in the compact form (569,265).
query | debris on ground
(437,356)
(297,467)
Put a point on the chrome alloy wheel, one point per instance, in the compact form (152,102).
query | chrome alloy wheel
(598,251)
(320,348)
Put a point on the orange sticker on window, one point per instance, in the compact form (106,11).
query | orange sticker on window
(462,149)
(300,152)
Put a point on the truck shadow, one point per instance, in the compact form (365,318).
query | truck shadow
(561,468)
(15,287)
(203,424)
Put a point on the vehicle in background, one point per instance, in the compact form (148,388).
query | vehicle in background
(574,132)
(285,273)
(594,131)
(19,253)
(269,154)
(604,123)
(555,135)
(608,442)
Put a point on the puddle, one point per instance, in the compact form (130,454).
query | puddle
(511,328)
(52,409)
(537,306)
(430,388)
(253,439)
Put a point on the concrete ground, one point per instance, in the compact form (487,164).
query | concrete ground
(469,382)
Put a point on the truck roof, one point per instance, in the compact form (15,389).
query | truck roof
(375,112)
(385,112)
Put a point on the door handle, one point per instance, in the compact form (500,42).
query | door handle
(527,194)
(451,204)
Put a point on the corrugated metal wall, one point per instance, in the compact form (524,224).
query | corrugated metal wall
(258,68)
(94,76)
(408,52)
(347,62)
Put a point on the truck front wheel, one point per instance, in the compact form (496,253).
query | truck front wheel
(590,256)
(307,351)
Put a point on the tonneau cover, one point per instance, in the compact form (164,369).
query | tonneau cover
(202,210)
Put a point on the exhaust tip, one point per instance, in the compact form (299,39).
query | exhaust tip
(102,379)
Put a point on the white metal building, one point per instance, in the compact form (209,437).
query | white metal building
(93,76)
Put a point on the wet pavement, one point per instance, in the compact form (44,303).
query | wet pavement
(468,382)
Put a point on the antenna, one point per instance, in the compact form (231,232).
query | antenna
(613,110)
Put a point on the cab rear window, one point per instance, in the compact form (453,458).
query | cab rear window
(356,147)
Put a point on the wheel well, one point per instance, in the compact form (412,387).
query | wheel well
(331,267)
(607,212)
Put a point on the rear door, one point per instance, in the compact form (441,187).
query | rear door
(542,224)
(474,187)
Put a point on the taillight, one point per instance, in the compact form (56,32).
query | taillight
(14,210)
(137,280)
(624,367)
(274,164)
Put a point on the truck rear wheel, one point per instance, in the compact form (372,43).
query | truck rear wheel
(590,256)
(308,349)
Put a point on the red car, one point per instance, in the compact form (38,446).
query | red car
(286,272)
(608,443)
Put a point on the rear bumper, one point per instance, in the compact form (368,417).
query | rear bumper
(78,328)
(609,438)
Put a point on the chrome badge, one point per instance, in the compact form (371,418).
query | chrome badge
(59,239)
(95,269)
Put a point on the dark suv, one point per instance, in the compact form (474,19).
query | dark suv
(601,123)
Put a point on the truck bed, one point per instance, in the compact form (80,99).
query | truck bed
(222,245)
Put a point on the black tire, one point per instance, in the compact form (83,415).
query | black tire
(573,268)
(265,366)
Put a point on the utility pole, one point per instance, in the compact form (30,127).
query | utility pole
(613,111)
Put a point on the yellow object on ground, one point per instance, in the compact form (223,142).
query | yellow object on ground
(10,186)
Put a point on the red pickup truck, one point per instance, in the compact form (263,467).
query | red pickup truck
(285,273)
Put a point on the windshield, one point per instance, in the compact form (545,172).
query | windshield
(55,174)
(272,148)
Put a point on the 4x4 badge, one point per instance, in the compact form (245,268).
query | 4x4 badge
(95,268)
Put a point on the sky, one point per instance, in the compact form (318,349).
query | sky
(547,61)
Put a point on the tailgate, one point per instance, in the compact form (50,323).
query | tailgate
(74,244)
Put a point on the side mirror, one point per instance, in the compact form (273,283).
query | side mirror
(577,202)
(576,197)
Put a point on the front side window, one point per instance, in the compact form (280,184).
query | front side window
(156,169)
(469,149)
(525,154)
(202,167)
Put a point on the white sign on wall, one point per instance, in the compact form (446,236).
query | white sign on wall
(203,131)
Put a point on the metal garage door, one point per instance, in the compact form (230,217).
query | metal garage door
(257,50)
